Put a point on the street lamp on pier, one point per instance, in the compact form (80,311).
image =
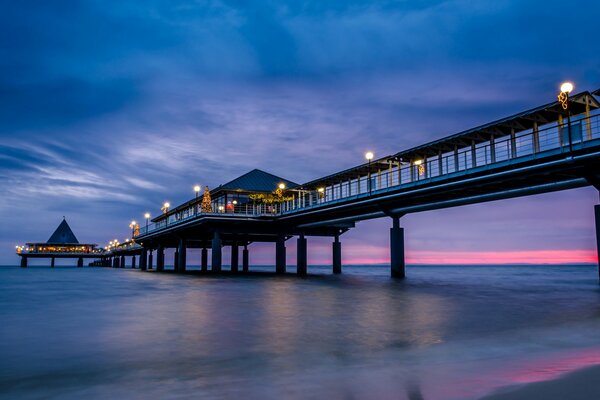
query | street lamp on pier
(197,190)
(147,216)
(563,98)
(132,225)
(369,157)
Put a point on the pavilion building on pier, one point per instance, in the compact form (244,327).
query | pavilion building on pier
(62,244)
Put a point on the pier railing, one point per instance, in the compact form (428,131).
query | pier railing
(547,140)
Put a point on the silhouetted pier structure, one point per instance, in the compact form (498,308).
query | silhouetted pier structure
(62,244)
(541,150)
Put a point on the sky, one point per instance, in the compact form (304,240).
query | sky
(109,108)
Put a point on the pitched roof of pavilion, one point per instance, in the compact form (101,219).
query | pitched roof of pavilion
(63,234)
(255,181)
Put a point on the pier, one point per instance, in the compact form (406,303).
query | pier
(549,148)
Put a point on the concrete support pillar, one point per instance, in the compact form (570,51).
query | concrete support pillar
(235,257)
(280,255)
(302,262)
(176,260)
(216,252)
(80,262)
(181,264)
(204,259)
(245,259)
(337,255)
(115,263)
(144,259)
(23,262)
(597,215)
(150,259)
(160,258)
(132,262)
(122,262)
(397,249)
(52,262)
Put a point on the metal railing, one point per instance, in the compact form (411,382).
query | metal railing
(532,143)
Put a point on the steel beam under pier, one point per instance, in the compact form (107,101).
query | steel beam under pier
(160,258)
(245,259)
(181,264)
(235,257)
(597,215)
(216,253)
(280,255)
(144,259)
(204,259)
(301,263)
(337,255)
(397,249)
(132,262)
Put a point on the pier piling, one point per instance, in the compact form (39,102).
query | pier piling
(301,264)
(204,265)
(80,262)
(160,258)
(597,215)
(337,255)
(23,262)
(216,252)
(245,259)
(122,262)
(397,264)
(144,259)
(52,262)
(280,255)
(150,259)
(235,257)
(181,264)
(132,262)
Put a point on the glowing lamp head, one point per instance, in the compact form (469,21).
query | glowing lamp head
(147,215)
(418,162)
(566,87)
(167,204)
(234,202)
(369,155)
(197,188)
(281,186)
(320,190)
(133,223)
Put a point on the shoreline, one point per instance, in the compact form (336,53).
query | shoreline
(580,384)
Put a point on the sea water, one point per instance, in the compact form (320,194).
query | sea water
(446,332)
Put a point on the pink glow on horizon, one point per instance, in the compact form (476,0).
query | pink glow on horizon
(486,257)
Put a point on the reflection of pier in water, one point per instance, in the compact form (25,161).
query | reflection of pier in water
(545,149)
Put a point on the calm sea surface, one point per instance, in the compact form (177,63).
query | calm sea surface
(444,333)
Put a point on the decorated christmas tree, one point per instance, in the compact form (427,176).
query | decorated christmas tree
(206,206)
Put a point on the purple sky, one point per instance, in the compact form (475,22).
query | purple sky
(108,108)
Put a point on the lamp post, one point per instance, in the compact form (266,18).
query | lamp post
(563,98)
(147,216)
(197,190)
(369,157)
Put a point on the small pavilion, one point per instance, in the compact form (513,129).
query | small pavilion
(62,244)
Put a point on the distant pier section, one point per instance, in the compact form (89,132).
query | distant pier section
(62,244)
